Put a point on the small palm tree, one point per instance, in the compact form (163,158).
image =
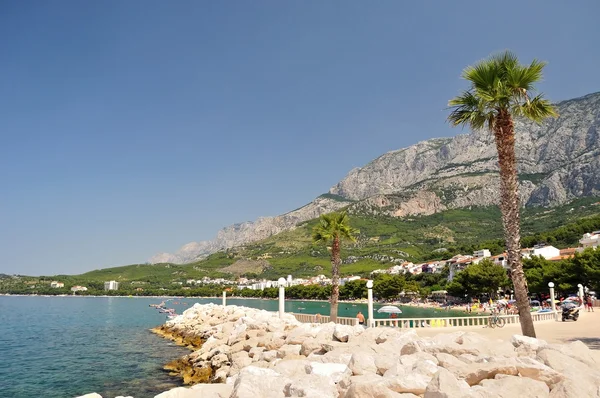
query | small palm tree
(500,89)
(334,227)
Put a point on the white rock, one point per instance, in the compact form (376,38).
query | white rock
(268,356)
(528,367)
(343,332)
(289,349)
(255,352)
(291,367)
(529,342)
(362,363)
(199,391)
(445,385)
(335,371)
(90,395)
(253,382)
(513,386)
(311,386)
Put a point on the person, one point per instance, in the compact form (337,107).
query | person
(590,304)
(361,318)
(318,318)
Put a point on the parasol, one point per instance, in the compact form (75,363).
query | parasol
(390,309)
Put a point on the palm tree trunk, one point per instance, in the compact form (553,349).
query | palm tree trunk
(335,277)
(509,205)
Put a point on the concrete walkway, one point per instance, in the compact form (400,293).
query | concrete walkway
(586,329)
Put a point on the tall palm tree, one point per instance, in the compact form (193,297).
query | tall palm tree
(500,89)
(334,227)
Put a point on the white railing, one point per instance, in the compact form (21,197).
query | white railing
(456,321)
(312,318)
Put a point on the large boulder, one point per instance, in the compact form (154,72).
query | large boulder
(199,390)
(253,382)
(576,350)
(239,360)
(291,367)
(514,386)
(481,371)
(445,385)
(310,346)
(586,378)
(289,349)
(362,363)
(343,333)
(337,372)
(528,367)
(367,390)
(311,386)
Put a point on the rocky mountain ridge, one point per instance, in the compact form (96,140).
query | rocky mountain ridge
(559,160)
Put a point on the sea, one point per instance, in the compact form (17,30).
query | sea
(64,347)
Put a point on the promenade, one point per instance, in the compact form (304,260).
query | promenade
(586,329)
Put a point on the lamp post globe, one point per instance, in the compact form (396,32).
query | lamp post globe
(369,284)
(550,284)
(281,282)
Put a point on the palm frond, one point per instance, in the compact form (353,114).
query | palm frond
(499,83)
(537,109)
(467,110)
(332,225)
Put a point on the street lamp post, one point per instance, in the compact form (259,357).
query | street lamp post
(370,301)
(224,298)
(281,282)
(580,294)
(552,305)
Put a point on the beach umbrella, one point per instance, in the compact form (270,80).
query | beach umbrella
(390,309)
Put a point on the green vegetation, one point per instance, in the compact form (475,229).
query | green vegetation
(335,197)
(477,279)
(292,252)
(334,228)
(584,268)
(501,89)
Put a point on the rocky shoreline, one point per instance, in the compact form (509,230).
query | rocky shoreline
(242,352)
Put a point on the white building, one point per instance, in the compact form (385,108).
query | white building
(482,253)
(56,285)
(501,259)
(590,241)
(112,285)
(545,251)
(79,289)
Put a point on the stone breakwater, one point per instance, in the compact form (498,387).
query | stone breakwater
(249,353)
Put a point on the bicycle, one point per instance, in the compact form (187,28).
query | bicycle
(496,320)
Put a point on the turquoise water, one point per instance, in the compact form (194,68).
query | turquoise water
(61,347)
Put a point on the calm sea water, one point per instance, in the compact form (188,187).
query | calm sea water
(61,347)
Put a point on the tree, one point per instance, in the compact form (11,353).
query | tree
(500,89)
(484,277)
(334,227)
(388,287)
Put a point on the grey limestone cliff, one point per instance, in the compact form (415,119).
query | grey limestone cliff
(559,160)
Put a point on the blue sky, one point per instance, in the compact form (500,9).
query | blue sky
(133,127)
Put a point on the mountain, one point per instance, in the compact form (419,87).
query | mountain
(559,160)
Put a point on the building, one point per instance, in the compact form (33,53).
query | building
(112,285)
(78,288)
(542,250)
(501,259)
(56,285)
(482,253)
(590,241)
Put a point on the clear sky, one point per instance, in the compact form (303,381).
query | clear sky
(133,127)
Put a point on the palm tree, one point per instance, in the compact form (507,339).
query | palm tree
(500,89)
(334,227)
